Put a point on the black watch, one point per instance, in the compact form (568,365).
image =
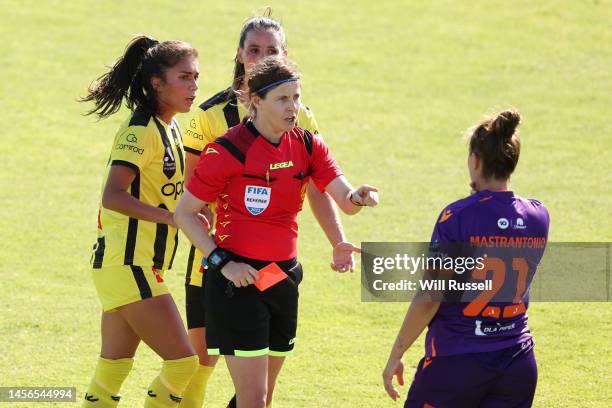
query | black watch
(218,258)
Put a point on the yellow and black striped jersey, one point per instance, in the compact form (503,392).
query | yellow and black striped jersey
(211,120)
(154,150)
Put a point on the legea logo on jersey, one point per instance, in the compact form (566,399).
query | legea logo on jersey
(519,224)
(281,165)
(256,198)
(503,223)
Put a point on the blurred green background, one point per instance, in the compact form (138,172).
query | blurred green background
(394,86)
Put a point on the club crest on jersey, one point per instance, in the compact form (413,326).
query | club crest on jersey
(257,198)
(169,163)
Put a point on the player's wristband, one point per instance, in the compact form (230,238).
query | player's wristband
(352,200)
(218,258)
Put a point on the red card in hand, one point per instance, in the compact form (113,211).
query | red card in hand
(269,276)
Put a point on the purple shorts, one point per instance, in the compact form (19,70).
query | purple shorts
(498,379)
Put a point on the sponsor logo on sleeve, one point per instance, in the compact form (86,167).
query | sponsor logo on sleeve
(132,148)
(195,135)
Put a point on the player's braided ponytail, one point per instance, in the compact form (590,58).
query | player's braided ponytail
(130,77)
(496,141)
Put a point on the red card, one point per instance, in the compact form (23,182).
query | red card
(269,276)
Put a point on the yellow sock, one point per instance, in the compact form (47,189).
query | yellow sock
(105,385)
(167,388)
(195,393)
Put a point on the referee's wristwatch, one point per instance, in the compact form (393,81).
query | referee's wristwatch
(218,258)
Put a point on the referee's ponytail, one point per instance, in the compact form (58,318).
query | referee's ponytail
(130,77)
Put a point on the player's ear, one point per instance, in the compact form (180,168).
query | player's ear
(239,55)
(285,53)
(155,83)
(255,101)
(476,162)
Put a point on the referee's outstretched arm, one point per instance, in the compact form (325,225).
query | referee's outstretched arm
(351,200)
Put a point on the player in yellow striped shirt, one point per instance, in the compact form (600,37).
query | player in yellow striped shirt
(137,237)
(261,36)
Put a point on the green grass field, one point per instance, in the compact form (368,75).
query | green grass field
(393,86)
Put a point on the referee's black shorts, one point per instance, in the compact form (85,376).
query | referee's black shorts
(246,322)
(195,306)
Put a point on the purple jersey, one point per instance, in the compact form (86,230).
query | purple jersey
(489,221)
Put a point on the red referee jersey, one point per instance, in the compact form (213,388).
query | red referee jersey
(259,188)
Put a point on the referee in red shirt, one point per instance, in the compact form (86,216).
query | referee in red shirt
(257,174)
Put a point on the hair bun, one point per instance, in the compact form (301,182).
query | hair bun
(505,124)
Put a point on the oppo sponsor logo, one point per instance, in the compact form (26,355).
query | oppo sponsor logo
(172,189)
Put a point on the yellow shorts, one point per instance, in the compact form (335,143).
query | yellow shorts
(124,284)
